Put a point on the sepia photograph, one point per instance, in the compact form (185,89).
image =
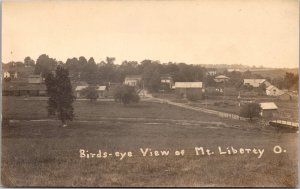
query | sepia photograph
(149,93)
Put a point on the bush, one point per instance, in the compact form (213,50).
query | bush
(90,93)
(126,94)
(250,110)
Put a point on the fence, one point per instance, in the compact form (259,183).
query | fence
(214,112)
(229,115)
(284,122)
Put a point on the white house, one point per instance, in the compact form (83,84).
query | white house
(211,72)
(101,91)
(256,82)
(133,80)
(166,81)
(221,78)
(273,91)
(6,74)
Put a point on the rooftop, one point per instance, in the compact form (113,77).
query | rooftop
(188,85)
(79,88)
(101,88)
(268,106)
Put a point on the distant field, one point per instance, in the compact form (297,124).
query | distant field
(40,153)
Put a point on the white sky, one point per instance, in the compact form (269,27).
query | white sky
(251,32)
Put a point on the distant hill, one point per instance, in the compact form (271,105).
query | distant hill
(273,73)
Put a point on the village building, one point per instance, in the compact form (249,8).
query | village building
(79,89)
(35,79)
(13,89)
(133,80)
(273,91)
(166,81)
(211,72)
(186,89)
(268,109)
(221,78)
(6,75)
(102,91)
(10,74)
(256,82)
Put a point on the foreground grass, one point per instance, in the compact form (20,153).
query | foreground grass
(44,154)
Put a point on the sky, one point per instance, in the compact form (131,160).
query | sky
(251,32)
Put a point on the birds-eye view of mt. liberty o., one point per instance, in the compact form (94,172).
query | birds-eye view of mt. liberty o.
(150,93)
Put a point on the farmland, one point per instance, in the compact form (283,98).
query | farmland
(41,153)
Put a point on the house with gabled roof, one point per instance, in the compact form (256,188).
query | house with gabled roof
(273,91)
(256,82)
(221,78)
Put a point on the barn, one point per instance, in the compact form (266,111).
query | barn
(189,89)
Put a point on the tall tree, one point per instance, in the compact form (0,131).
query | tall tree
(61,98)
(28,61)
(250,110)
(44,65)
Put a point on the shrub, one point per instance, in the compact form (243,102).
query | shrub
(126,94)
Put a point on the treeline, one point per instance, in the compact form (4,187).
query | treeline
(83,69)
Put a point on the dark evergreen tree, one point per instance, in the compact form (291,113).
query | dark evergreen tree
(60,94)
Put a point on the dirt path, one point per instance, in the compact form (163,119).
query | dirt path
(149,97)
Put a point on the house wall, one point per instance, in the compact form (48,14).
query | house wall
(269,113)
(273,92)
(185,92)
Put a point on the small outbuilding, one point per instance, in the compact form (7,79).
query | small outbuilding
(268,109)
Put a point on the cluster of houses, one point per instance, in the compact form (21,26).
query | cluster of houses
(33,85)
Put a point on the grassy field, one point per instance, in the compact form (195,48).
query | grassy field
(40,153)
